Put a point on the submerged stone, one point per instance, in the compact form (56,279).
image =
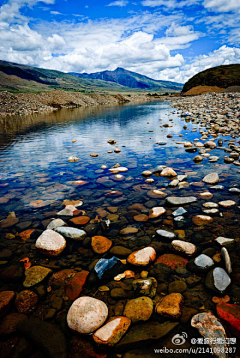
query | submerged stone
(170,305)
(71,233)
(108,268)
(174,200)
(165,234)
(112,331)
(139,309)
(142,257)
(50,243)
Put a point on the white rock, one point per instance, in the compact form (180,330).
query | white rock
(55,223)
(184,247)
(71,233)
(51,243)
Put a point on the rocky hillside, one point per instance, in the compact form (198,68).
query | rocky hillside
(220,76)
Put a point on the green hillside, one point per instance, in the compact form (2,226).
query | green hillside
(221,76)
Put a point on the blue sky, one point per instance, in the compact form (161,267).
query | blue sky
(163,39)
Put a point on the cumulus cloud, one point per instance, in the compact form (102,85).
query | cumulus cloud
(222,5)
(120,3)
(172,4)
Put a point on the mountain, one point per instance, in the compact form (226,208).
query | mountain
(131,79)
(221,76)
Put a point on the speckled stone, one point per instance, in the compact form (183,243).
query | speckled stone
(142,257)
(50,243)
(139,309)
(112,331)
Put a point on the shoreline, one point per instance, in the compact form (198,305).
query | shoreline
(30,103)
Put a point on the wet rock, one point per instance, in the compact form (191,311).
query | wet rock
(161,272)
(226,259)
(26,301)
(10,322)
(145,287)
(178,201)
(217,187)
(118,292)
(112,331)
(61,278)
(224,241)
(158,169)
(217,280)
(100,244)
(170,305)
(50,243)
(210,144)
(206,195)
(6,298)
(55,224)
(139,309)
(35,274)
(211,178)
(140,217)
(8,222)
(142,257)
(165,234)
(144,334)
(177,287)
(203,263)
(230,314)
(69,210)
(46,336)
(197,158)
(86,315)
(146,173)
(184,247)
(73,159)
(227,203)
(84,346)
(213,159)
(80,220)
(168,172)
(120,251)
(201,220)
(75,286)
(180,211)
(26,234)
(71,233)
(210,328)
(108,268)
(172,260)
(156,212)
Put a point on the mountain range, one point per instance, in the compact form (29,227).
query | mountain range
(23,78)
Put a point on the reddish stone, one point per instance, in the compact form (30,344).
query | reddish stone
(26,301)
(62,277)
(25,235)
(6,298)
(75,285)
(112,331)
(140,217)
(172,260)
(80,220)
(230,314)
(100,244)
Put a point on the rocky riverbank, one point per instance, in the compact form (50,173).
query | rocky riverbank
(29,103)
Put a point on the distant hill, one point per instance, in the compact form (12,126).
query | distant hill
(221,76)
(16,78)
(131,79)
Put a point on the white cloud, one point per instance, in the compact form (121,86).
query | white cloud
(222,5)
(172,4)
(55,13)
(120,3)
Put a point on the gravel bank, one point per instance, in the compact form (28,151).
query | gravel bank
(28,103)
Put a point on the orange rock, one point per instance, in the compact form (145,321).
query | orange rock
(224,299)
(200,220)
(140,217)
(75,285)
(112,331)
(100,244)
(62,277)
(26,301)
(170,305)
(156,212)
(25,235)
(80,220)
(142,257)
(26,263)
(172,260)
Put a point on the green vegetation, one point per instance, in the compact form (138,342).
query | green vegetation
(220,76)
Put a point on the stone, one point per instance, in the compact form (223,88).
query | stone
(6,298)
(112,331)
(129,230)
(211,178)
(174,183)
(46,336)
(156,212)
(217,280)
(210,204)
(165,234)
(82,346)
(172,260)
(201,220)
(226,259)
(197,158)
(210,328)
(10,322)
(61,278)
(184,247)
(118,292)
(35,274)
(50,243)
(67,211)
(179,211)
(230,314)
(94,155)
(139,309)
(170,305)
(26,301)
(156,194)
(100,244)
(55,224)
(143,335)
(146,173)
(73,159)
(71,233)
(108,268)
(178,201)
(206,195)
(168,172)
(142,257)
(140,217)
(203,262)
(177,287)
(26,234)
(8,222)
(80,220)
(120,251)
(224,241)
(145,287)
(227,203)
(86,315)
(75,285)
(210,144)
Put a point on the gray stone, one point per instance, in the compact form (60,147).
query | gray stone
(55,223)
(211,178)
(165,234)
(221,279)
(203,261)
(226,259)
(71,233)
(174,200)
(179,211)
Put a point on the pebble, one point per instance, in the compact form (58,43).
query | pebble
(170,305)
(223,241)
(50,243)
(71,233)
(156,212)
(86,315)
(75,285)
(55,224)
(80,220)
(211,178)
(100,244)
(168,172)
(227,203)
(203,262)
(221,279)
(145,287)
(108,268)
(26,301)
(180,211)
(177,287)
(200,220)
(226,259)
(142,257)
(67,211)
(184,247)
(165,234)
(35,275)
(139,309)
(112,331)
(174,200)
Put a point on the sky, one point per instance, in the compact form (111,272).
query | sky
(163,39)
